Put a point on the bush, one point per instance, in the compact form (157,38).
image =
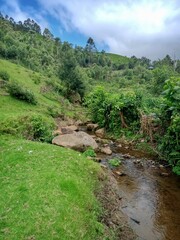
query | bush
(21,93)
(34,127)
(115,162)
(89,152)
(39,128)
(114,111)
(4,75)
(170,117)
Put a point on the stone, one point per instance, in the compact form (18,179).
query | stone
(77,140)
(69,129)
(120,173)
(161,166)
(78,123)
(103,166)
(119,145)
(100,132)
(106,150)
(92,127)
(57,132)
(164,174)
(127,156)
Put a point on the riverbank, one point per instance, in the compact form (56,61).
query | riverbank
(113,218)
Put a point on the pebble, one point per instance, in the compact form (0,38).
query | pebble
(120,173)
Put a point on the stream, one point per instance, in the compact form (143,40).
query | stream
(150,193)
(151,201)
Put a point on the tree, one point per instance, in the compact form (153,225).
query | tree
(47,34)
(90,46)
(31,25)
(71,75)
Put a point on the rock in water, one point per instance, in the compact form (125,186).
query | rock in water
(106,150)
(100,132)
(78,140)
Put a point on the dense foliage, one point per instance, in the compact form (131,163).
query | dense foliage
(114,111)
(170,141)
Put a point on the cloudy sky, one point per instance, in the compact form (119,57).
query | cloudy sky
(148,28)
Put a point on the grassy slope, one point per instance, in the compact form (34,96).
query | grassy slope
(11,107)
(46,192)
(118,59)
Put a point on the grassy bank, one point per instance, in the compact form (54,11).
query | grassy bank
(47,192)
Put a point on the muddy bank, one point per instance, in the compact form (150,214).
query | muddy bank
(113,218)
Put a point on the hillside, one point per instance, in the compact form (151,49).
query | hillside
(48,191)
(132,87)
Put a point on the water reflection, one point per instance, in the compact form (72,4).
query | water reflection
(151,200)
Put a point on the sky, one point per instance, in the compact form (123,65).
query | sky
(149,28)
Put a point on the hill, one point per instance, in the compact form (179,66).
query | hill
(50,190)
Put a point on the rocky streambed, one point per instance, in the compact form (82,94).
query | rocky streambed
(146,192)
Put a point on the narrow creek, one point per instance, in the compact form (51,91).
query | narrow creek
(149,193)
(151,201)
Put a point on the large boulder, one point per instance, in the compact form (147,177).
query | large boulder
(77,140)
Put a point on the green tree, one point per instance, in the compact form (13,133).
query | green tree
(71,75)
(90,46)
(47,34)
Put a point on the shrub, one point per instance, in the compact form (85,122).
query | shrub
(4,75)
(115,162)
(170,117)
(39,128)
(89,153)
(114,111)
(21,93)
(34,127)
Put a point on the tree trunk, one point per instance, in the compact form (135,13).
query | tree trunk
(123,123)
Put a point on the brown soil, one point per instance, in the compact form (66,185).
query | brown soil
(113,218)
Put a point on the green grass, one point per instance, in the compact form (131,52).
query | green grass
(46,192)
(118,59)
(50,104)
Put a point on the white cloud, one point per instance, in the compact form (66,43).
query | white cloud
(129,27)
(13,9)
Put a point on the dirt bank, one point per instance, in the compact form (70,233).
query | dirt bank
(113,218)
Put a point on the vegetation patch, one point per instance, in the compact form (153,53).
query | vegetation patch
(114,162)
(33,127)
(89,153)
(4,75)
(21,93)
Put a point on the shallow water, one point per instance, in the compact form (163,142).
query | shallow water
(151,201)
